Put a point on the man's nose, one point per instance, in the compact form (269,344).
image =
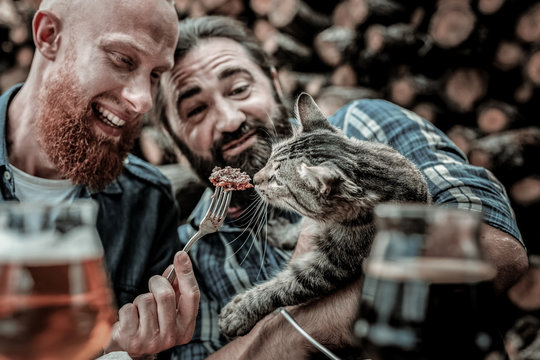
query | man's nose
(229,117)
(138,93)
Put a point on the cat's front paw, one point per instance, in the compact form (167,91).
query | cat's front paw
(238,316)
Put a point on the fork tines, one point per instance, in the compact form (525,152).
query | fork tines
(219,204)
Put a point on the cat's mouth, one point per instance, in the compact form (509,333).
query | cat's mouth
(238,146)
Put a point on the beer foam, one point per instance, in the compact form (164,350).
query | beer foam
(432,269)
(50,247)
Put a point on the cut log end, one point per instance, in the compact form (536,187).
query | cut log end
(464,87)
(532,68)
(451,25)
(526,191)
(528,25)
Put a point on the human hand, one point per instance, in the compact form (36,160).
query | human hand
(163,318)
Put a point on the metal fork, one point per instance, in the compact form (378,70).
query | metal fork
(216,214)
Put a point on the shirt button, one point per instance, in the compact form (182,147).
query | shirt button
(7,175)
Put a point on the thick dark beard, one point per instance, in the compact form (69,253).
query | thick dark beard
(251,160)
(66,136)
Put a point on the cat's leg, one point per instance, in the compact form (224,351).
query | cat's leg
(305,278)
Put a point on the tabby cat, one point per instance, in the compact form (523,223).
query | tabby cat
(336,182)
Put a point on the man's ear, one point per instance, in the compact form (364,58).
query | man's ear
(46,31)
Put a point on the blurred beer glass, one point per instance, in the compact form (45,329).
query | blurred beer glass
(55,300)
(427,291)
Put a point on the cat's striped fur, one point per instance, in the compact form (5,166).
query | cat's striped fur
(336,182)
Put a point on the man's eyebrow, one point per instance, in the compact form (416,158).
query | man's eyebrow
(120,41)
(233,71)
(192,91)
(182,95)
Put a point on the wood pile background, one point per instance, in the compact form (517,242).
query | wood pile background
(472,67)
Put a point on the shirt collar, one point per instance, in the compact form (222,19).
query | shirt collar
(4,104)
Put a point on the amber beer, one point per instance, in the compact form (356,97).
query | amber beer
(55,299)
(55,321)
(428,308)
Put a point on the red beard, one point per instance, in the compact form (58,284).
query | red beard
(66,136)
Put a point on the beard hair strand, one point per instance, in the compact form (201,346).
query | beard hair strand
(67,138)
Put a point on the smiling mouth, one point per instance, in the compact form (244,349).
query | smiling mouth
(108,118)
(237,146)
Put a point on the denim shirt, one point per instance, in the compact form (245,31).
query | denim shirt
(137,218)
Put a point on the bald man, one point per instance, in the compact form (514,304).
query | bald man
(66,134)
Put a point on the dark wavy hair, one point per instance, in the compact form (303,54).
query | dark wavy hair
(194,30)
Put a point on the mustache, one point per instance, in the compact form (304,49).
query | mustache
(246,127)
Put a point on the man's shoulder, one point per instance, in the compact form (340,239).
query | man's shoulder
(373,107)
(371,119)
(139,170)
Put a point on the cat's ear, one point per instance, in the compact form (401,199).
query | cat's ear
(321,177)
(310,115)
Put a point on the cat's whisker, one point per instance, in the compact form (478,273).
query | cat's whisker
(245,228)
(265,240)
(273,126)
(248,216)
(253,220)
(244,243)
(249,210)
(253,239)
(258,220)
(271,136)
(257,230)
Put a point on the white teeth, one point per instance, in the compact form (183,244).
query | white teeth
(112,119)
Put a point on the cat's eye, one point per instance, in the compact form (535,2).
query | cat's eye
(275,180)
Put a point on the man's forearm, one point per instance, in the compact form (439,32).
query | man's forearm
(506,253)
(328,320)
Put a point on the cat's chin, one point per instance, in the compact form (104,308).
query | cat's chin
(278,203)
(263,195)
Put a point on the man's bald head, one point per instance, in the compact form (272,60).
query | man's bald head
(75,11)
(97,60)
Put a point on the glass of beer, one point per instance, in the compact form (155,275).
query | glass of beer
(55,299)
(428,289)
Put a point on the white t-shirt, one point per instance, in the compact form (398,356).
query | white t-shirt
(36,189)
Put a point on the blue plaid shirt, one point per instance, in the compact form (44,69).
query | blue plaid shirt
(232,260)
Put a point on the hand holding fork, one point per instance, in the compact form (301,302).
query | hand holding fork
(212,221)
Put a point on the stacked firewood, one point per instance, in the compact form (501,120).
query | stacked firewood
(16,46)
(472,67)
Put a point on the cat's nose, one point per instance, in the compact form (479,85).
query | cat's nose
(258,178)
